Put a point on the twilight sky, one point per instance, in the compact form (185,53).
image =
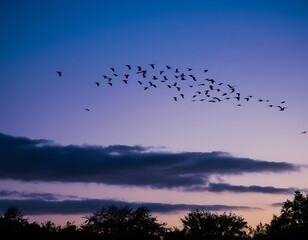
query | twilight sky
(135,146)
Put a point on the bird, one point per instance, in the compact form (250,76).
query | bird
(175,99)
(139,68)
(211,80)
(161,72)
(97,83)
(126,76)
(112,69)
(182,95)
(205,70)
(189,69)
(140,82)
(152,65)
(110,84)
(125,81)
(59,73)
(129,67)
(168,67)
(87,109)
(304,132)
(281,108)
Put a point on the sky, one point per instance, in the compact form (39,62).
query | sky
(142,147)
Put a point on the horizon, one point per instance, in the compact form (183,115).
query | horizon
(74,139)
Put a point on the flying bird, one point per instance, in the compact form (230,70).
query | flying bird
(129,67)
(59,73)
(87,109)
(97,83)
(281,108)
(168,67)
(152,65)
(304,132)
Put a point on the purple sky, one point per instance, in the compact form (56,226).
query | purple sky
(136,146)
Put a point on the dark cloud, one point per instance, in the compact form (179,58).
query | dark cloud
(86,206)
(277,204)
(34,195)
(41,160)
(222,187)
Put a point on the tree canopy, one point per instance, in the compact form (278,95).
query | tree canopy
(123,222)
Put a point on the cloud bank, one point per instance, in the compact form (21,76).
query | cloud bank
(47,203)
(40,160)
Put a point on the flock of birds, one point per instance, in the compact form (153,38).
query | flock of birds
(202,89)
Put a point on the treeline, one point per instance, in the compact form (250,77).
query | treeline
(117,223)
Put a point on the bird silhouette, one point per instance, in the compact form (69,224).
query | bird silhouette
(59,73)
(168,67)
(129,67)
(304,132)
(87,109)
(152,65)
(112,69)
(175,99)
(97,83)
(281,108)
(125,81)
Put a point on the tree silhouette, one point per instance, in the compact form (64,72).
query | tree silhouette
(293,219)
(124,223)
(199,225)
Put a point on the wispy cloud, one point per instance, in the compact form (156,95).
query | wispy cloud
(223,187)
(35,206)
(41,160)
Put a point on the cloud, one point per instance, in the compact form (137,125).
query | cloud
(37,205)
(41,160)
(277,204)
(222,187)
(34,195)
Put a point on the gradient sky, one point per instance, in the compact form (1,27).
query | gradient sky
(137,146)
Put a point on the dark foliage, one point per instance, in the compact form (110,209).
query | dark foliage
(117,223)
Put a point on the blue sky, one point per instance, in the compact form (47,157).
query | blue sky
(258,46)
